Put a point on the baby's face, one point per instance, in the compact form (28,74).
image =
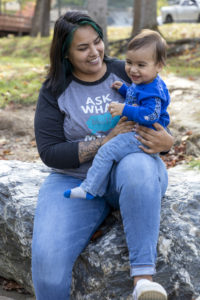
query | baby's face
(141,66)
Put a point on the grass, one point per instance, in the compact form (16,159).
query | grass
(26,47)
(188,63)
(22,68)
(20,80)
(194,164)
(23,61)
(170,32)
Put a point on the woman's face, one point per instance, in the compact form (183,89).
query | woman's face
(86,54)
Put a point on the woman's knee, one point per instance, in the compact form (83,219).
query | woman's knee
(136,169)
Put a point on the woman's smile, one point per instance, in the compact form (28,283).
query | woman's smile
(95,61)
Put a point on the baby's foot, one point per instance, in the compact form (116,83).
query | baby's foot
(78,192)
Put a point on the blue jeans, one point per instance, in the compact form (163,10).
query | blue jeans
(113,151)
(63,227)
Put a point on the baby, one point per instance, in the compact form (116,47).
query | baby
(146,102)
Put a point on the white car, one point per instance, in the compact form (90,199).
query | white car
(184,11)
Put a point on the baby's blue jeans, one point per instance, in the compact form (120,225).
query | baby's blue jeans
(112,152)
(63,227)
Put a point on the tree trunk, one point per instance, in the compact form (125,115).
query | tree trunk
(98,11)
(36,18)
(45,21)
(59,7)
(145,15)
(41,18)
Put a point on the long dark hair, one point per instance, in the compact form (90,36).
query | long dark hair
(64,29)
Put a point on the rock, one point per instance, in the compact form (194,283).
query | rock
(5,298)
(179,243)
(193,145)
(102,270)
(19,184)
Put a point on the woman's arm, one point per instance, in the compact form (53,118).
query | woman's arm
(52,146)
(157,141)
(87,150)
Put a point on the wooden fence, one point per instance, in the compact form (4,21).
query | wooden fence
(14,24)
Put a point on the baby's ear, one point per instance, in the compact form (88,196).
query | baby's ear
(159,67)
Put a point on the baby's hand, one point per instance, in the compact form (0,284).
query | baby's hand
(116,109)
(116,85)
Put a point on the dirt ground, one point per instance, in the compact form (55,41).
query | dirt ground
(17,141)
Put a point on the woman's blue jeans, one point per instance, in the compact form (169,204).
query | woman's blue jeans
(63,227)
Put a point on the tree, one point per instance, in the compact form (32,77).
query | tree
(98,11)
(59,4)
(145,15)
(41,18)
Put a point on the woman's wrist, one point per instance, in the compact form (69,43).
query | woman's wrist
(87,150)
(104,140)
(169,143)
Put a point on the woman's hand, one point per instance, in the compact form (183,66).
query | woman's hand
(158,140)
(121,127)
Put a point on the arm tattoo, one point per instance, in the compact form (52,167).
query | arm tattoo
(87,150)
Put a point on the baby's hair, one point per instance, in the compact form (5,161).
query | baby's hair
(149,37)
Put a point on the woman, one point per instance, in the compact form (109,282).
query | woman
(71,124)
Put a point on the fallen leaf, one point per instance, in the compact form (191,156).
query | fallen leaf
(184,138)
(7,151)
(11,285)
(33,143)
(191,78)
(189,132)
(96,235)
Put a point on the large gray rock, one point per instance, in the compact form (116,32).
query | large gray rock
(19,185)
(102,270)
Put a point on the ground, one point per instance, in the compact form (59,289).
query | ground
(17,139)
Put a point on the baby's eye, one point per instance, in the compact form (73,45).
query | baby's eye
(128,62)
(141,65)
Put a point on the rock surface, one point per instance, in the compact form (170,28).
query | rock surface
(19,184)
(102,270)
(184,112)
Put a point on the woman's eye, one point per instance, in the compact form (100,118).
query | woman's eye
(97,41)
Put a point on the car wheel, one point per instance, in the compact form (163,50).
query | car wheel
(168,19)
